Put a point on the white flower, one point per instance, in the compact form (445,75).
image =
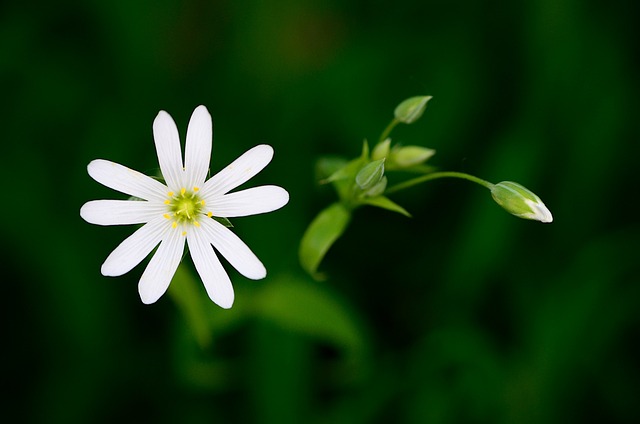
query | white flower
(183,210)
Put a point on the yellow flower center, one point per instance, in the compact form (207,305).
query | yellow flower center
(184,207)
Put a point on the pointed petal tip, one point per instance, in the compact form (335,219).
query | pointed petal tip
(96,165)
(108,270)
(225,303)
(266,148)
(162,112)
(257,274)
(284,195)
(147,298)
(262,151)
(221,296)
(83,212)
(201,109)
(201,112)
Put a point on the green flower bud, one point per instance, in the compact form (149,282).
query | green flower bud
(411,109)
(519,201)
(405,157)
(377,189)
(370,174)
(381,150)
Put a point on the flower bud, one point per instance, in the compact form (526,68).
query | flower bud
(377,189)
(408,156)
(370,174)
(411,109)
(381,150)
(519,201)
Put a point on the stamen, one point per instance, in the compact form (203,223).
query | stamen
(170,194)
(209,214)
(196,223)
(174,225)
(184,233)
(186,206)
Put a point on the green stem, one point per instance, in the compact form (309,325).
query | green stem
(388,130)
(436,175)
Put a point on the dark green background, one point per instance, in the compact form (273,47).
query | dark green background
(462,314)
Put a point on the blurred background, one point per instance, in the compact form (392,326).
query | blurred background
(461,314)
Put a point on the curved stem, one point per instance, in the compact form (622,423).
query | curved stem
(388,130)
(436,175)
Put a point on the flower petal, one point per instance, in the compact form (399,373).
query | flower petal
(239,171)
(233,249)
(135,248)
(215,278)
(120,212)
(157,276)
(125,180)
(249,202)
(198,147)
(165,134)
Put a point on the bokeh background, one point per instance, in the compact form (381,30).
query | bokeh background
(461,314)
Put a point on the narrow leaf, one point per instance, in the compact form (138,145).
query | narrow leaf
(385,203)
(309,308)
(323,231)
(223,221)
(189,297)
(328,166)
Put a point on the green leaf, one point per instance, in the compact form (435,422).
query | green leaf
(186,292)
(223,221)
(411,109)
(308,308)
(385,203)
(365,150)
(323,231)
(344,179)
(328,166)
(370,174)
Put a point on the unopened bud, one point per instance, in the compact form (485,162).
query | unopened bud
(377,189)
(411,109)
(370,174)
(407,156)
(381,150)
(519,201)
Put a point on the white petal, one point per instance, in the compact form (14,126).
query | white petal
(198,147)
(215,278)
(125,180)
(239,171)
(233,249)
(165,134)
(158,274)
(249,202)
(135,248)
(120,212)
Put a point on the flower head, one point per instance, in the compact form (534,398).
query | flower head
(183,210)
